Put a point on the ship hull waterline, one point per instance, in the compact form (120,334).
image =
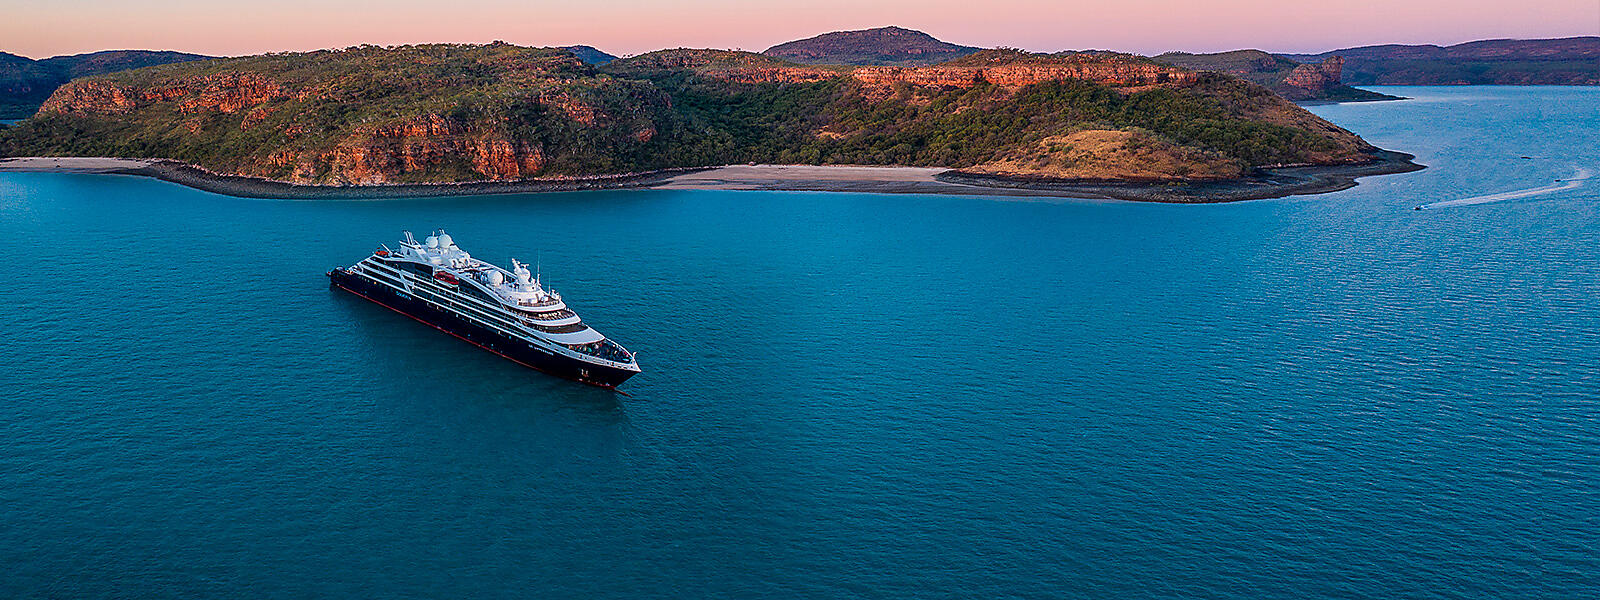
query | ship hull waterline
(518,351)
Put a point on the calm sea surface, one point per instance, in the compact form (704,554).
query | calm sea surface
(844,395)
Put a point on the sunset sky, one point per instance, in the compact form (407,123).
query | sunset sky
(41,28)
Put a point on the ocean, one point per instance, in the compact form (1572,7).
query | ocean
(844,395)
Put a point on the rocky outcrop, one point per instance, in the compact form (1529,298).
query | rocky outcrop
(1109,72)
(1314,82)
(929,76)
(1316,78)
(226,92)
(1112,73)
(91,97)
(387,153)
(575,109)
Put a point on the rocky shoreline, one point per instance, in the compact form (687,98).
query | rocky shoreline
(1266,183)
(256,187)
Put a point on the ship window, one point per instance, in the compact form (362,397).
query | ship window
(479,294)
(415,268)
(573,328)
(604,349)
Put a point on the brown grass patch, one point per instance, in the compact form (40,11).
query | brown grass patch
(1110,155)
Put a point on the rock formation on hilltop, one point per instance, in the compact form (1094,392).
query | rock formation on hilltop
(880,46)
(450,113)
(1316,77)
(1015,68)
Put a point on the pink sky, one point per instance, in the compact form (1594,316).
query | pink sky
(40,28)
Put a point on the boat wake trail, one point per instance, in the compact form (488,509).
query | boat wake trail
(1576,181)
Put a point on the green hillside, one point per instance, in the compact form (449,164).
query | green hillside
(462,112)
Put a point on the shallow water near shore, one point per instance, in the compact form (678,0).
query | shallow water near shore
(844,395)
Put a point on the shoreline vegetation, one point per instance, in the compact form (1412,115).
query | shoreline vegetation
(1262,184)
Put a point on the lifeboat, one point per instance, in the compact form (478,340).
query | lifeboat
(380,252)
(446,277)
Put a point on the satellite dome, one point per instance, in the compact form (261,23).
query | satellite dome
(431,242)
(445,241)
(495,278)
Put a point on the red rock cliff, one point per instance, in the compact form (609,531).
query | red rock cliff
(1317,77)
(1111,73)
(384,154)
(225,92)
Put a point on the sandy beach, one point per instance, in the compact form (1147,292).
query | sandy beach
(73,164)
(1268,183)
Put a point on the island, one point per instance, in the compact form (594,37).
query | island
(372,121)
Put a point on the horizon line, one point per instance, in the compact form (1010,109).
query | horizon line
(623,55)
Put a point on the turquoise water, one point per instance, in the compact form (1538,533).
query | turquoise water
(844,395)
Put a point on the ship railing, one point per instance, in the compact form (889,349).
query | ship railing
(555,315)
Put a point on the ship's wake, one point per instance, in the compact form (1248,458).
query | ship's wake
(1577,180)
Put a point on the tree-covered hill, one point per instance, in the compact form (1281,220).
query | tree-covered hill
(440,113)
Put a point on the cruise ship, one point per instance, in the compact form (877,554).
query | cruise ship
(509,313)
